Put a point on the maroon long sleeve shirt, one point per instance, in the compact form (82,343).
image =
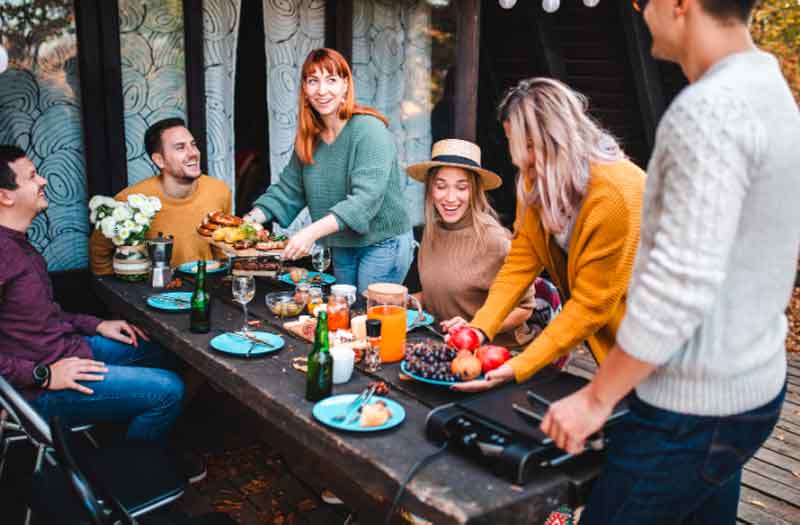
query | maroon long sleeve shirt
(33,328)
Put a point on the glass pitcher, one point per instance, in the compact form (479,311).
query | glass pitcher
(387,302)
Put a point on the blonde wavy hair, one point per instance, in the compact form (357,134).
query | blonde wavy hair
(483,216)
(552,139)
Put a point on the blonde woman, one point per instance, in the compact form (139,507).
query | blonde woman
(463,245)
(579,202)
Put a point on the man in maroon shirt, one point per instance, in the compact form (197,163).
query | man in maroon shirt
(76,366)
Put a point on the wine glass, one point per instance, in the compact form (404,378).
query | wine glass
(244,289)
(321,258)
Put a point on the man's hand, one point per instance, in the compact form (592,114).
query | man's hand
(571,420)
(498,376)
(300,244)
(65,373)
(121,331)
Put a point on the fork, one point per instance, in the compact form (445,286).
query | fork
(365,394)
(352,419)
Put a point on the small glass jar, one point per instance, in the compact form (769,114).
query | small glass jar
(314,298)
(372,357)
(338,313)
(301,294)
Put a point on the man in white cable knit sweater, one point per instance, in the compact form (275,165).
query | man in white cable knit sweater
(702,342)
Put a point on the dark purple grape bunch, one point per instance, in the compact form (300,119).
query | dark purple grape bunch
(430,360)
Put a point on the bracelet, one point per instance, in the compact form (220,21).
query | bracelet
(46,384)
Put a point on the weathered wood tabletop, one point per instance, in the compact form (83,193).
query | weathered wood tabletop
(365,470)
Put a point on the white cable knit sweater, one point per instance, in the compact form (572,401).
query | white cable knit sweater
(719,242)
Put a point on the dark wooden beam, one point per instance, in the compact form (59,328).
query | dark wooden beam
(195,75)
(339,27)
(547,51)
(645,71)
(97,26)
(465,100)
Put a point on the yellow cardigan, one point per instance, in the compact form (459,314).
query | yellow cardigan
(593,280)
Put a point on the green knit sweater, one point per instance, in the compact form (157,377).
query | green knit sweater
(356,178)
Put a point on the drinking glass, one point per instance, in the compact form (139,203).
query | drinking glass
(320,258)
(244,289)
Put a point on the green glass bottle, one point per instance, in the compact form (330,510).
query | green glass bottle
(200,314)
(319,377)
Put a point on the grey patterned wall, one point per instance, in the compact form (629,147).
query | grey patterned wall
(220,31)
(40,112)
(153,73)
(392,68)
(292,28)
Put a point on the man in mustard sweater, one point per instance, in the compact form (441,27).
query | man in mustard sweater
(186,196)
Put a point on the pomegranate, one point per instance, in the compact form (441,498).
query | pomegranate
(492,356)
(464,338)
(466,366)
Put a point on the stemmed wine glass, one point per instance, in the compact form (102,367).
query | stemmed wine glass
(320,258)
(244,289)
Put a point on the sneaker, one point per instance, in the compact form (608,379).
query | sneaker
(193,465)
(330,498)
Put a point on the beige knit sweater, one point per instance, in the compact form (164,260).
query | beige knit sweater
(456,274)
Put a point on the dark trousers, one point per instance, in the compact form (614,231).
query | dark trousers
(669,468)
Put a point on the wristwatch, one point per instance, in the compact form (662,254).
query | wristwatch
(41,376)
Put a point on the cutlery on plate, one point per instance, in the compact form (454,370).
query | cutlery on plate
(354,417)
(169,298)
(355,403)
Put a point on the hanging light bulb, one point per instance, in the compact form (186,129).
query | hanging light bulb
(438,3)
(591,3)
(3,59)
(551,6)
(508,4)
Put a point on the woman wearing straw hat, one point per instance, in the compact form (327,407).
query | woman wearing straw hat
(578,210)
(463,245)
(345,169)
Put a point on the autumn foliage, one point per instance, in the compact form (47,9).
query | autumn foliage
(775,26)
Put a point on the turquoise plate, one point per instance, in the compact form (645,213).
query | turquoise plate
(237,345)
(326,278)
(331,407)
(171,301)
(191,267)
(404,369)
(411,316)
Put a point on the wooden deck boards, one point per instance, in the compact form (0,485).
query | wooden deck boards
(771,480)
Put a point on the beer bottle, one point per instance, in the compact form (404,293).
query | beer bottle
(319,377)
(200,315)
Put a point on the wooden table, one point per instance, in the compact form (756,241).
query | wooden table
(365,470)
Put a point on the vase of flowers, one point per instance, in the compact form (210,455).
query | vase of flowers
(125,223)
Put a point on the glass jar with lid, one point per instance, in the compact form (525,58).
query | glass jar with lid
(314,298)
(338,312)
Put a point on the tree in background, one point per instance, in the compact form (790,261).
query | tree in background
(775,26)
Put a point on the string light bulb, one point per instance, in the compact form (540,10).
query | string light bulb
(508,4)
(551,6)
(591,3)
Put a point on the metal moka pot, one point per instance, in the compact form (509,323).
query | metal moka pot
(160,250)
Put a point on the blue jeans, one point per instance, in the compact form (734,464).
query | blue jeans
(668,468)
(386,261)
(149,397)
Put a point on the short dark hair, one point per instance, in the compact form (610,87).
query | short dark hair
(152,137)
(727,9)
(8,154)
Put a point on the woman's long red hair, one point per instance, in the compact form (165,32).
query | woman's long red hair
(309,123)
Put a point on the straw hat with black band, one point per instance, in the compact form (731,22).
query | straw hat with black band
(457,153)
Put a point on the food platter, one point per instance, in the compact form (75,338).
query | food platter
(237,238)
(228,249)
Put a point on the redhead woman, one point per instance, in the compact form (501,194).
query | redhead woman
(344,168)
(463,245)
(579,202)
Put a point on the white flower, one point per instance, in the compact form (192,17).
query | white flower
(93,216)
(137,200)
(108,226)
(119,241)
(123,233)
(136,228)
(141,218)
(128,225)
(155,203)
(122,213)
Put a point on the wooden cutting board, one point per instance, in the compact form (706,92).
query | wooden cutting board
(229,250)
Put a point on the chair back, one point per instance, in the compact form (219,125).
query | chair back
(103,510)
(24,414)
